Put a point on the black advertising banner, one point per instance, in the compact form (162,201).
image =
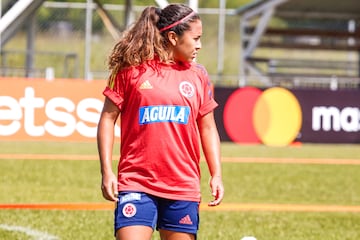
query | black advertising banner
(329,116)
(221,96)
(278,116)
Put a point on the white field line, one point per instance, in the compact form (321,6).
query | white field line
(29,232)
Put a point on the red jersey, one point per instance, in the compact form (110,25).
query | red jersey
(160,145)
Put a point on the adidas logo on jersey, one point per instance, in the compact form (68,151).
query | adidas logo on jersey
(186,220)
(146,85)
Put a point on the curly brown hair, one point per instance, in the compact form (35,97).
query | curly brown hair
(143,41)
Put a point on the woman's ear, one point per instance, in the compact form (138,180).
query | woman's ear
(173,38)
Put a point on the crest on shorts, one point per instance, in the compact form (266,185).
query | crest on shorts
(186,89)
(129,210)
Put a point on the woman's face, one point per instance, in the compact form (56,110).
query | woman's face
(186,47)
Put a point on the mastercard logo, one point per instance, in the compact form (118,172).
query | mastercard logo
(272,117)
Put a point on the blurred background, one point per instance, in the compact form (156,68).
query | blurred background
(308,49)
(286,77)
(269,42)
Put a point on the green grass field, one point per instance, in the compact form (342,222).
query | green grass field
(325,187)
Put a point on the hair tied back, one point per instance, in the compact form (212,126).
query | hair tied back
(178,22)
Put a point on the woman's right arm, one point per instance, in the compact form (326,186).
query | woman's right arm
(105,142)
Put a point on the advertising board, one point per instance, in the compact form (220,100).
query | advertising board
(69,110)
(35,109)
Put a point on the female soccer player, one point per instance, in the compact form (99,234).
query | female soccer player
(166,105)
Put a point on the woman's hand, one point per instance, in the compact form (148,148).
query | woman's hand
(217,190)
(109,187)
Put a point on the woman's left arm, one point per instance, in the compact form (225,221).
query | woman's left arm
(210,142)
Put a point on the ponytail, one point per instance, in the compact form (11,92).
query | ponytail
(140,43)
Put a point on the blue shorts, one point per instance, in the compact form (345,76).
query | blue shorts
(135,208)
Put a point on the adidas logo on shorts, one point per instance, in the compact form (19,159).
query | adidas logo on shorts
(186,220)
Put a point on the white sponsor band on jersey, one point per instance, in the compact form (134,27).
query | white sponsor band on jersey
(152,114)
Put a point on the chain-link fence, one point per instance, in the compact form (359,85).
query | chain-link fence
(57,43)
(72,40)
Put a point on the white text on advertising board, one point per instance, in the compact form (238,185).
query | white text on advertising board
(334,119)
(63,116)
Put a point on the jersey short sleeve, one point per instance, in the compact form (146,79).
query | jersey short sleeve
(208,103)
(115,89)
